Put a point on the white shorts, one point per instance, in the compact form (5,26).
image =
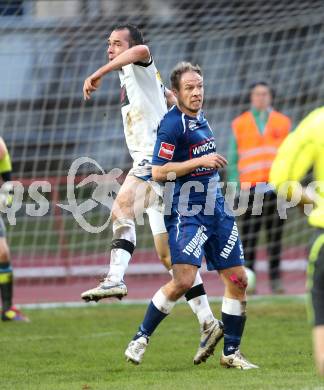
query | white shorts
(156,219)
(143,170)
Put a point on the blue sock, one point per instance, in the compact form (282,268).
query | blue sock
(152,319)
(233,330)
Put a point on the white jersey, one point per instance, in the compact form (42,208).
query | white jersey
(143,107)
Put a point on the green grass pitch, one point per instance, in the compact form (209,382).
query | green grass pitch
(83,349)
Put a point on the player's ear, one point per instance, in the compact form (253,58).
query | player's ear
(175,92)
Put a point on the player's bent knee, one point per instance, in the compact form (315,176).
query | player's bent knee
(183,277)
(183,285)
(122,210)
(237,282)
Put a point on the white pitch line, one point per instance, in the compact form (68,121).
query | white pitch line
(133,269)
(125,302)
(56,337)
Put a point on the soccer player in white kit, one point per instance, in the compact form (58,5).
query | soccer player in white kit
(143,101)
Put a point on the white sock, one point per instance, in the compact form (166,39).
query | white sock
(200,306)
(119,258)
(233,307)
(162,303)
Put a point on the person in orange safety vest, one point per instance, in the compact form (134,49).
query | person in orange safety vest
(257,134)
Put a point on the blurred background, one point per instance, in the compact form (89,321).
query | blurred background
(48,48)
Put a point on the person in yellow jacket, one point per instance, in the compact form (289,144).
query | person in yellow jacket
(257,134)
(8,311)
(302,150)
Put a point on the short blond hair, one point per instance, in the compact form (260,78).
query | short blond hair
(179,70)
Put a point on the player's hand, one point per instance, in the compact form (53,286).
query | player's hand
(308,197)
(213,160)
(90,85)
(6,195)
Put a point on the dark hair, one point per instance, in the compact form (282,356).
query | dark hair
(179,70)
(263,84)
(135,35)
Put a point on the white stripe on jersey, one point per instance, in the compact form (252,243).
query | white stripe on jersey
(146,108)
(178,224)
(183,122)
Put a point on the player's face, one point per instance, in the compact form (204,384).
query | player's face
(191,93)
(261,98)
(118,42)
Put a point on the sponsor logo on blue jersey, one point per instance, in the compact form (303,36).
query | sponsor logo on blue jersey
(193,125)
(230,244)
(195,244)
(205,147)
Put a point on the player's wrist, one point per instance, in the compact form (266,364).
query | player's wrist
(199,162)
(97,75)
(101,71)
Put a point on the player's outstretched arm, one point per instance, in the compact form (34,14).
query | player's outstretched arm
(170,97)
(160,173)
(138,53)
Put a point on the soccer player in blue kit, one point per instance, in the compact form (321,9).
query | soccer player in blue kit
(197,222)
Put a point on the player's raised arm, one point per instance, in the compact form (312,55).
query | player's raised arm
(170,98)
(139,53)
(122,50)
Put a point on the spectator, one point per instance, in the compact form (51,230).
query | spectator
(257,136)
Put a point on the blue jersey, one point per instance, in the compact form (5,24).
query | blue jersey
(211,231)
(180,138)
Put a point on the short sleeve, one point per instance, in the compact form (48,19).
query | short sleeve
(166,142)
(144,64)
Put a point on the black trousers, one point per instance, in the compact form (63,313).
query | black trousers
(315,279)
(251,227)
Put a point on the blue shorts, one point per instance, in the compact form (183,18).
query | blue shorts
(214,236)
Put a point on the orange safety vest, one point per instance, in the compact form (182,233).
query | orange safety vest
(257,151)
